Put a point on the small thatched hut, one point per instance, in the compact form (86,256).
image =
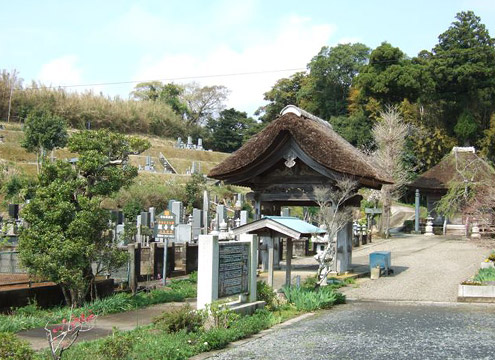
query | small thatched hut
(291,156)
(288,160)
(434,183)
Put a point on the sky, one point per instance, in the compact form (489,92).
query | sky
(108,46)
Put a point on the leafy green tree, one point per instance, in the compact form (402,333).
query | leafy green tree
(68,230)
(194,191)
(325,91)
(390,77)
(230,130)
(283,93)
(355,128)
(43,132)
(170,94)
(463,68)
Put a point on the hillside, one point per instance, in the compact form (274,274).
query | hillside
(180,159)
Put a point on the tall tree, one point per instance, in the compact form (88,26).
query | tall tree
(68,230)
(390,77)
(43,132)
(463,68)
(230,130)
(326,89)
(283,93)
(390,136)
(170,94)
(204,102)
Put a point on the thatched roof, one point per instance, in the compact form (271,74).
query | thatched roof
(438,177)
(315,137)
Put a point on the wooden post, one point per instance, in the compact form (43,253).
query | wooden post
(152,260)
(288,262)
(131,248)
(165,250)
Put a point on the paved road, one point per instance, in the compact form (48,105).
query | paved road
(426,269)
(380,330)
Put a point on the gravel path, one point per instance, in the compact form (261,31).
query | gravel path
(426,269)
(380,331)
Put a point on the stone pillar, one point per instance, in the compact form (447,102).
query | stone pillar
(270,243)
(288,262)
(416,213)
(208,263)
(344,249)
(253,263)
(475,231)
(206,208)
(429,226)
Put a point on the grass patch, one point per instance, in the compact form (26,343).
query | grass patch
(155,342)
(31,316)
(305,299)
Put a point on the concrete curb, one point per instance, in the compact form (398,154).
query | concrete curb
(253,337)
(420,302)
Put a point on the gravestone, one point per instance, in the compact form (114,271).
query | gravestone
(178,209)
(152,212)
(119,234)
(226,268)
(196,223)
(183,233)
(244,217)
(221,215)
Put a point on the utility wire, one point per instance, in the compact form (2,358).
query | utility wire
(172,79)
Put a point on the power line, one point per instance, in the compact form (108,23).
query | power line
(172,79)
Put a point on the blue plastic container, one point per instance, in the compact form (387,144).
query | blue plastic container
(383,259)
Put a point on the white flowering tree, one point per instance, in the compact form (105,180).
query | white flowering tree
(334,215)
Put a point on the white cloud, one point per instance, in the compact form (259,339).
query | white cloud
(292,46)
(61,71)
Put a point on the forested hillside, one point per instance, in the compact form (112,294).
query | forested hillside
(446,95)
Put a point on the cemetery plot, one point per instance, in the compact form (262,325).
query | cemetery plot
(233,275)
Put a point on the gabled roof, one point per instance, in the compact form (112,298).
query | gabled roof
(315,137)
(438,177)
(285,225)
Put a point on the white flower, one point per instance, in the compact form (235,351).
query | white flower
(205,343)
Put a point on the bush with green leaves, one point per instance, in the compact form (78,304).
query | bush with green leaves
(116,346)
(184,318)
(309,300)
(265,292)
(12,348)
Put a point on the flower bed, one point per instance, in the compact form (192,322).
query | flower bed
(480,289)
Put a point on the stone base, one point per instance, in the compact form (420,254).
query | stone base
(246,308)
(476,293)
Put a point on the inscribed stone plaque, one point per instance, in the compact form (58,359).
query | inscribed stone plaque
(233,269)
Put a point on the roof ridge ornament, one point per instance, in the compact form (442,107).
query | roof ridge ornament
(300,112)
(457,149)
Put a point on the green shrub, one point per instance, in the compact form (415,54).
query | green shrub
(310,282)
(13,348)
(310,300)
(217,315)
(265,292)
(184,318)
(117,346)
(484,275)
(193,277)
